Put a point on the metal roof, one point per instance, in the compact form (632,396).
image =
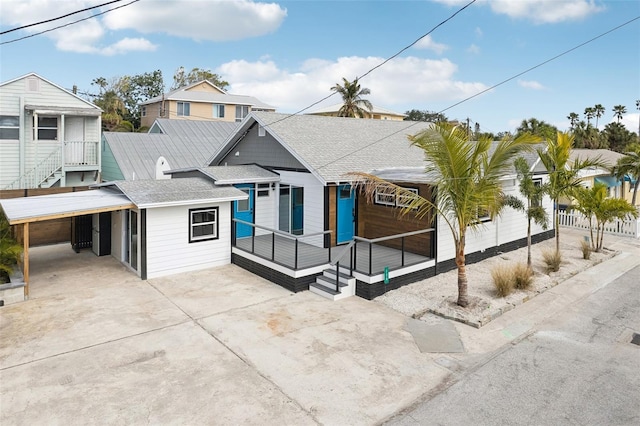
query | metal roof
(186,143)
(330,147)
(174,192)
(46,207)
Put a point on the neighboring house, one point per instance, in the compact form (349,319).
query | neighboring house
(377,113)
(591,175)
(200,101)
(134,156)
(48,135)
(285,231)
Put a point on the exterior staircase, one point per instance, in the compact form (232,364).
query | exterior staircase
(325,284)
(44,175)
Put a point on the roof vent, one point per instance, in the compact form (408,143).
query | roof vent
(33,84)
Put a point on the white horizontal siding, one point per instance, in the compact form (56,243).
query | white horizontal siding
(9,161)
(47,95)
(168,248)
(313,202)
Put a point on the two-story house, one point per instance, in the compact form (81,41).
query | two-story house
(200,101)
(48,135)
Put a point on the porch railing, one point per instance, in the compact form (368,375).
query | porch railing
(34,177)
(629,227)
(374,264)
(283,248)
(81,153)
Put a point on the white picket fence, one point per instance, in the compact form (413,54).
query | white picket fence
(628,227)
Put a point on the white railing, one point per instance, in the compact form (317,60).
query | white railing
(76,153)
(81,153)
(629,227)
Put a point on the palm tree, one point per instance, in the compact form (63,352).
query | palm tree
(533,193)
(599,112)
(594,203)
(618,111)
(564,175)
(467,181)
(353,105)
(589,112)
(112,109)
(573,119)
(629,165)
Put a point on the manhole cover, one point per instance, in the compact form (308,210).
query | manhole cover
(636,339)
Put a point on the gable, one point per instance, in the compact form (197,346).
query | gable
(263,150)
(204,86)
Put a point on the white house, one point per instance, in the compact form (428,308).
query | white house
(48,135)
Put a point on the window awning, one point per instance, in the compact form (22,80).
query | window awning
(628,178)
(610,181)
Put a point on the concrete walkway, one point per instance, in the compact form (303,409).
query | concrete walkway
(95,345)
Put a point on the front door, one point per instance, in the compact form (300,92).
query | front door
(243,210)
(345,214)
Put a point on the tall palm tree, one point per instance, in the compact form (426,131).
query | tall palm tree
(353,105)
(629,165)
(599,112)
(618,111)
(589,113)
(467,181)
(573,119)
(564,175)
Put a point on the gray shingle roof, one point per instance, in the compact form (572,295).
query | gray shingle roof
(610,158)
(334,146)
(240,174)
(156,193)
(186,143)
(210,97)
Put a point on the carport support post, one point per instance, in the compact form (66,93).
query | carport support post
(25,258)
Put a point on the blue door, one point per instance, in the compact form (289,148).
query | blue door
(243,210)
(345,214)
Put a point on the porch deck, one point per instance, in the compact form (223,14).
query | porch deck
(369,259)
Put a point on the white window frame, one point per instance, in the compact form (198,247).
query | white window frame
(7,128)
(388,197)
(401,199)
(218,110)
(214,235)
(39,128)
(181,106)
(241,112)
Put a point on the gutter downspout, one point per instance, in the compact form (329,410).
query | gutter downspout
(21,140)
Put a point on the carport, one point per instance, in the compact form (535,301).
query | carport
(20,212)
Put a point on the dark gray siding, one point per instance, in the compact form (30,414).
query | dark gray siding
(262,150)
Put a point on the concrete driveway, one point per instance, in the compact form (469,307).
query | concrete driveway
(96,345)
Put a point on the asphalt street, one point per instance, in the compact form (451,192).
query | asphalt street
(578,368)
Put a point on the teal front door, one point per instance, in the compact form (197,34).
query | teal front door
(243,210)
(345,213)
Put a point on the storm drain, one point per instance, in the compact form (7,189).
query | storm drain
(636,339)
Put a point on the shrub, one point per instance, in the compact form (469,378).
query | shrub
(10,250)
(586,249)
(523,276)
(553,259)
(503,280)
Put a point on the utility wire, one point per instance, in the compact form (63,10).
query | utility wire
(486,90)
(70,23)
(383,62)
(59,17)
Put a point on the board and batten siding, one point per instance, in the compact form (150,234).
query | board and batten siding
(265,210)
(168,248)
(510,226)
(313,209)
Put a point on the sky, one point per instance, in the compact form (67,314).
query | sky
(290,53)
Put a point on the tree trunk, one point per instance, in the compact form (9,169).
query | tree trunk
(463,298)
(635,191)
(529,243)
(556,220)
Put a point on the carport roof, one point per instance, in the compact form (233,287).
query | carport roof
(55,206)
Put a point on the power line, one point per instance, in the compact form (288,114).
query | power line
(59,17)
(383,62)
(486,90)
(70,23)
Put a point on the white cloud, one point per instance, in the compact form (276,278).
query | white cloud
(531,84)
(630,121)
(473,49)
(538,11)
(546,11)
(479,32)
(427,42)
(400,82)
(214,20)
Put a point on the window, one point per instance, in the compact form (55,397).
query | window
(263,189)
(143,111)
(218,111)
(9,127)
(184,109)
(388,197)
(47,128)
(536,201)
(203,224)
(241,112)
(483,215)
